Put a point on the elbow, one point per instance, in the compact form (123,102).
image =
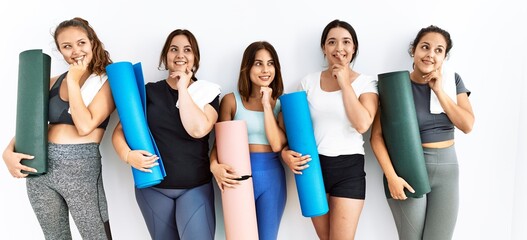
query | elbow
(199,132)
(277,147)
(363,128)
(466,129)
(84,131)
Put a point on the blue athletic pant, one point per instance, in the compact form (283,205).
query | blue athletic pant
(269,193)
(434,215)
(186,214)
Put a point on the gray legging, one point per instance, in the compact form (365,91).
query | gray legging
(434,215)
(73,183)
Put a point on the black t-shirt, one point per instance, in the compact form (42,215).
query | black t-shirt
(185,158)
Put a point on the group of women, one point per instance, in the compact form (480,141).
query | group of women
(343,104)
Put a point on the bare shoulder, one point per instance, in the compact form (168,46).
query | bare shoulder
(227,107)
(53,80)
(228,100)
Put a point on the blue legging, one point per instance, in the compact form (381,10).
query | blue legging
(269,193)
(178,213)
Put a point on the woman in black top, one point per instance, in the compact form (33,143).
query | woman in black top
(182,205)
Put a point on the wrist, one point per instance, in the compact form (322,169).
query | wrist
(126,156)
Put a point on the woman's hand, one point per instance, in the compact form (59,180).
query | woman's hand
(397,186)
(266,95)
(141,160)
(295,161)
(341,72)
(12,161)
(183,78)
(76,70)
(434,79)
(224,174)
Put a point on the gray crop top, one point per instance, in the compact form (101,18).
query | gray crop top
(433,127)
(58,108)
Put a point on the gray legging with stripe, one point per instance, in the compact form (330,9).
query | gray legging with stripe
(73,184)
(434,215)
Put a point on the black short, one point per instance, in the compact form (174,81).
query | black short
(344,175)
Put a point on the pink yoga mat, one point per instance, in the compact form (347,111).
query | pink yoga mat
(239,211)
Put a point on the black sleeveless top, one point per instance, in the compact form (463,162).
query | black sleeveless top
(58,108)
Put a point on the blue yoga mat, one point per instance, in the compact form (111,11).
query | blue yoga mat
(128,90)
(301,138)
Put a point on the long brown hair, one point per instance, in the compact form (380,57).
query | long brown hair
(244,81)
(101,57)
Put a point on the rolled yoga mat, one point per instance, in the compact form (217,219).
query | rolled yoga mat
(31,135)
(301,138)
(400,130)
(239,210)
(128,90)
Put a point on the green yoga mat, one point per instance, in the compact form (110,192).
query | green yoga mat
(401,131)
(31,135)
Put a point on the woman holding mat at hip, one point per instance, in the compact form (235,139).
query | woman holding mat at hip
(77,122)
(256,101)
(342,104)
(434,215)
(181,112)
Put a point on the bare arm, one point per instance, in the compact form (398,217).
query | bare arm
(88,118)
(12,161)
(461,113)
(274,133)
(139,159)
(196,122)
(359,110)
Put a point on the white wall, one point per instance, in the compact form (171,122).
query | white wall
(489,53)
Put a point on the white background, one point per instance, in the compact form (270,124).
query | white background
(489,53)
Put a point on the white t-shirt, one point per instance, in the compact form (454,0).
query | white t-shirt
(334,133)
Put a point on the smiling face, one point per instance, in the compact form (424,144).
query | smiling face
(74,45)
(180,56)
(263,69)
(339,47)
(430,53)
